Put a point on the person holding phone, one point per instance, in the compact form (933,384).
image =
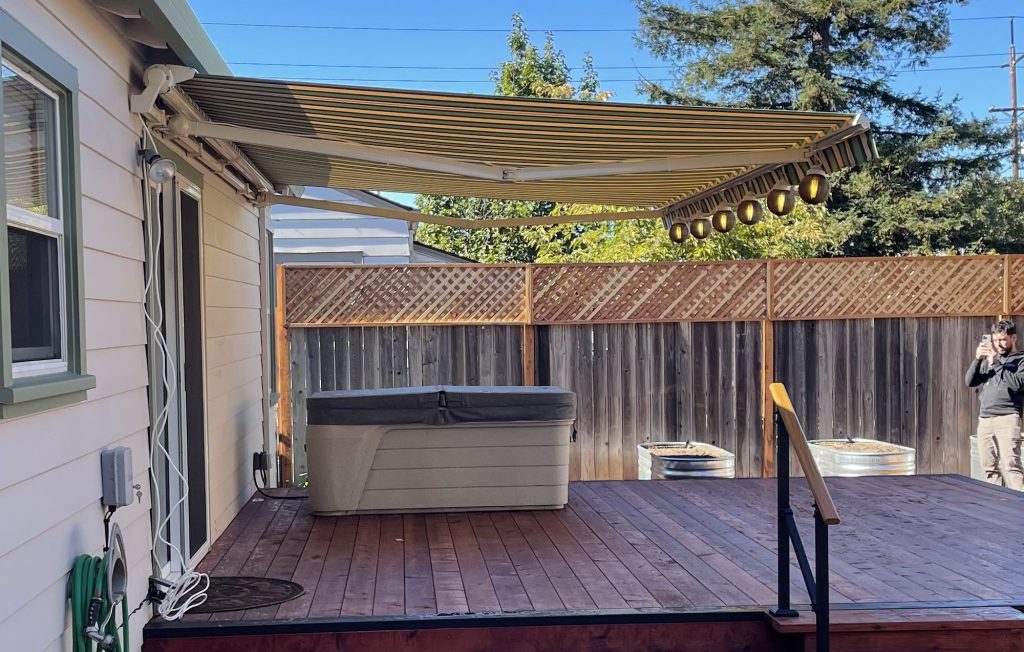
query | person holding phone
(998,372)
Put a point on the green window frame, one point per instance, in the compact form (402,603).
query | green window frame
(22,394)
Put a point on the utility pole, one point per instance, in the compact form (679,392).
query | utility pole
(1013,108)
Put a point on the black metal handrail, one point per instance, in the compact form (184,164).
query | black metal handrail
(817,582)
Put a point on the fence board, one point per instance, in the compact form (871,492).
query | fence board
(848,288)
(904,383)
(842,288)
(405,294)
(670,351)
(626,292)
(627,381)
(1016,281)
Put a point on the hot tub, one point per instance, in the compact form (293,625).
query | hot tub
(439,448)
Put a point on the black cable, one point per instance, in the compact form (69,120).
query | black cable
(106,527)
(266,495)
(139,608)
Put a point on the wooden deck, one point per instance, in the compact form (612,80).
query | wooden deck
(625,547)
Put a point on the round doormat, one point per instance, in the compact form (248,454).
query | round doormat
(238,593)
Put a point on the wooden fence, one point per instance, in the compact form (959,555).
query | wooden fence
(868,347)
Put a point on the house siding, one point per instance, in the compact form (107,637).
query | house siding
(50,469)
(232,236)
(314,235)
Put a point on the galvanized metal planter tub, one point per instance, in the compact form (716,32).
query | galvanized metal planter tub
(849,464)
(673,467)
(977,472)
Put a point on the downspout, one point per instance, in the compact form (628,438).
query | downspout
(267,342)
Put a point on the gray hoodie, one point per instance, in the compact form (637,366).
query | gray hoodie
(1002,384)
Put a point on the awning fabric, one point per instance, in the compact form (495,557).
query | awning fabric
(525,133)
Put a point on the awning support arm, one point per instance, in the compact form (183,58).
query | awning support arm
(458,222)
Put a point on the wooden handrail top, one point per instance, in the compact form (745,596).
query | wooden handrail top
(822,498)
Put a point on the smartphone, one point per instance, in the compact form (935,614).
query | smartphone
(986,340)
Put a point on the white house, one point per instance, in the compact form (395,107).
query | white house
(311,235)
(80,371)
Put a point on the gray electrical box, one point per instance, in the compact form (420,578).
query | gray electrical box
(116,464)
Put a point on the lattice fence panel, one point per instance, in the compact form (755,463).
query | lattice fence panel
(891,287)
(727,291)
(405,294)
(1016,284)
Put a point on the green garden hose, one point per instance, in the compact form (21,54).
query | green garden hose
(91,607)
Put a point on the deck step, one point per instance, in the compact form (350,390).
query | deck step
(906,620)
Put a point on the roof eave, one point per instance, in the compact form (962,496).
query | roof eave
(180,27)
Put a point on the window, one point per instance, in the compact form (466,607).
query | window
(41,302)
(35,239)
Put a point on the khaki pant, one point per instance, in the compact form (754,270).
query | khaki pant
(999,440)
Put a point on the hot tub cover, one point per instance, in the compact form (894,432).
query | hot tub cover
(440,405)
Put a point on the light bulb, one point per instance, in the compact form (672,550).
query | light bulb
(700,228)
(814,187)
(781,200)
(678,232)
(749,211)
(723,220)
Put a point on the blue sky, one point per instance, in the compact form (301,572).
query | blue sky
(978,46)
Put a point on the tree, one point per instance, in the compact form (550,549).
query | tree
(807,232)
(842,55)
(528,73)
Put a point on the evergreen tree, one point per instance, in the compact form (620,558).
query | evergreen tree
(842,55)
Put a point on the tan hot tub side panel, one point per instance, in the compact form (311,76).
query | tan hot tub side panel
(472,466)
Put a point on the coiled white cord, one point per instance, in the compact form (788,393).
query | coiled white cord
(189,590)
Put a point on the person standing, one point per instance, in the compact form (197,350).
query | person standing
(998,369)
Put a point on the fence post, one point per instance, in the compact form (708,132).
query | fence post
(284,384)
(767,377)
(1006,288)
(529,333)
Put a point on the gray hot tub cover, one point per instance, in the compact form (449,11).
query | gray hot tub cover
(440,405)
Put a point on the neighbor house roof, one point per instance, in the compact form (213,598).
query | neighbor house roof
(680,160)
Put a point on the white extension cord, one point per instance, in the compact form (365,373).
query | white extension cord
(189,590)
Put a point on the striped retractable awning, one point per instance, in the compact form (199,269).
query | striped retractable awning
(727,152)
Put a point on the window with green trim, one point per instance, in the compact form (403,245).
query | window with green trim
(35,234)
(41,302)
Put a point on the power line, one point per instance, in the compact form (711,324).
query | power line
(481,30)
(912,70)
(276,64)
(440,81)
(353,28)
(603,81)
(396,67)
(966,18)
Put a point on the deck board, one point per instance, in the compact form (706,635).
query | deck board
(703,544)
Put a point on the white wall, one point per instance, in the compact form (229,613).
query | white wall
(232,247)
(49,467)
(381,240)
